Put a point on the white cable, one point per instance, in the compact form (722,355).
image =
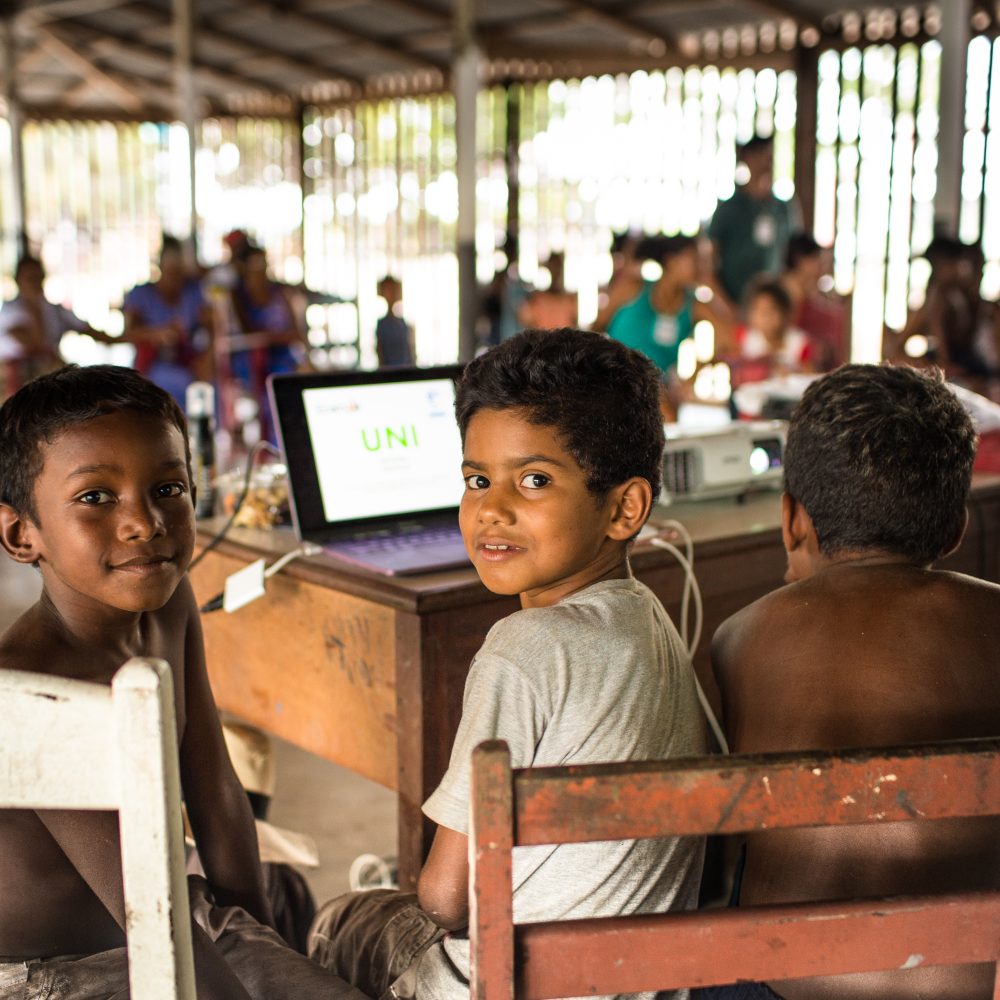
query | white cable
(305,549)
(691,589)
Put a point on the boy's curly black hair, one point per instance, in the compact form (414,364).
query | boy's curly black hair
(881,459)
(40,410)
(602,398)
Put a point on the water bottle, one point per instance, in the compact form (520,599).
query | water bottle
(200,402)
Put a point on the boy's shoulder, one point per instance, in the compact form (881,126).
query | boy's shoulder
(27,644)
(830,598)
(601,614)
(35,642)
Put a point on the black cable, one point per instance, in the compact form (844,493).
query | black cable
(260,446)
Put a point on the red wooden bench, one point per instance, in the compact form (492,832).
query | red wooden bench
(714,795)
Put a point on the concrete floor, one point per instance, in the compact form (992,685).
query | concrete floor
(347,815)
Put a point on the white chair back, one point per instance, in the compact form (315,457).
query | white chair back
(70,744)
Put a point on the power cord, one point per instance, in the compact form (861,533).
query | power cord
(691,590)
(305,549)
(260,446)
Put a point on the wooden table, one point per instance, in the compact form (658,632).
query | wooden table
(368,671)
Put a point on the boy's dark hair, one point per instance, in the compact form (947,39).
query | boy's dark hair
(602,399)
(800,246)
(170,245)
(41,409)
(661,248)
(24,262)
(756,144)
(881,459)
(772,289)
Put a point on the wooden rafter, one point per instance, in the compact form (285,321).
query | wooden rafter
(52,42)
(256,56)
(790,9)
(293,12)
(211,74)
(624,23)
(60,10)
(418,7)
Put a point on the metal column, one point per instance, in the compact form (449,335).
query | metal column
(954,38)
(465,82)
(186,95)
(18,224)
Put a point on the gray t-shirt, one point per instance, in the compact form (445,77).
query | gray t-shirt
(600,676)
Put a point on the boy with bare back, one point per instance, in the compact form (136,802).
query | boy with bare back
(95,491)
(869,646)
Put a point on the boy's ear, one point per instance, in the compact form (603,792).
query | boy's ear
(799,538)
(633,501)
(958,538)
(17,535)
(788,533)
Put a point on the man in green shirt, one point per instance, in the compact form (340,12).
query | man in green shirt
(750,230)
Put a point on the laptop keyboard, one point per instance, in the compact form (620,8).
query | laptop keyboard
(423,538)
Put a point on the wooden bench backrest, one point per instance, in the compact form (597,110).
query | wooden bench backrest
(714,795)
(69,744)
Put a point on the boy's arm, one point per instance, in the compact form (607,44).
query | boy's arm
(502,703)
(443,889)
(217,805)
(91,843)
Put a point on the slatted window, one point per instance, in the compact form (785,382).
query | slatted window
(876,177)
(980,214)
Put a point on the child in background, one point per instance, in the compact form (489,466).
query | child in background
(394,342)
(562,440)
(767,346)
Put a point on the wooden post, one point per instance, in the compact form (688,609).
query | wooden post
(954,38)
(465,83)
(15,119)
(186,95)
(807,82)
(512,162)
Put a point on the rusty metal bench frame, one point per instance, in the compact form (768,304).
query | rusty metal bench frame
(713,795)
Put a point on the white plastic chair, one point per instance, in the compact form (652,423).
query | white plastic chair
(72,744)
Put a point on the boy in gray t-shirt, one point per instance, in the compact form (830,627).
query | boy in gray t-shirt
(562,439)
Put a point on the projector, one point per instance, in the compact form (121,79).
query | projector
(723,461)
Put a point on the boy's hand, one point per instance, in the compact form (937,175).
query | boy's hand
(443,889)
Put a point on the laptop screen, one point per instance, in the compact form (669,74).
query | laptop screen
(369,447)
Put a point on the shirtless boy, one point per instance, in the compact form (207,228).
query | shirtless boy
(869,646)
(95,492)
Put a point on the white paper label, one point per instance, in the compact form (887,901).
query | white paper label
(244,586)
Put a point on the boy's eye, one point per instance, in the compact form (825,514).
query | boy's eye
(171,490)
(94,497)
(476,482)
(535,481)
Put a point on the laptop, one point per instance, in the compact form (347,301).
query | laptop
(374,465)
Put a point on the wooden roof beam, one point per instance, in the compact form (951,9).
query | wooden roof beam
(210,74)
(294,12)
(61,10)
(587,9)
(417,7)
(106,83)
(789,9)
(211,30)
